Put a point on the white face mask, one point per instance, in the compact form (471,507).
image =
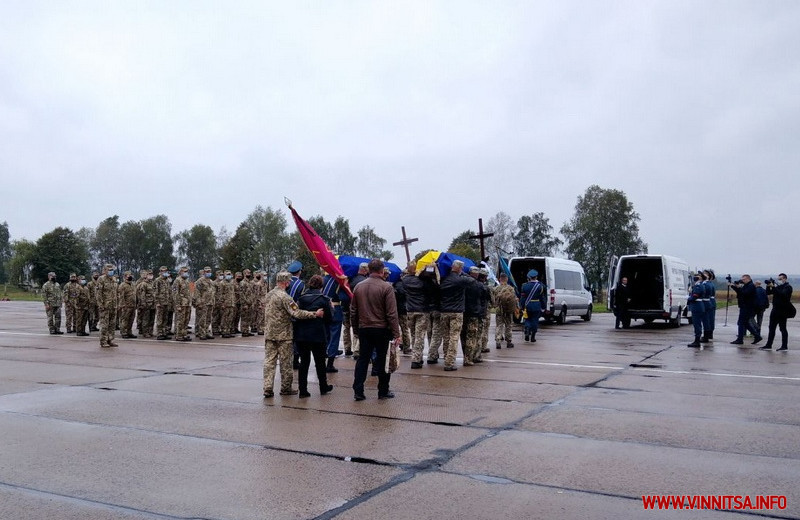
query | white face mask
(780,282)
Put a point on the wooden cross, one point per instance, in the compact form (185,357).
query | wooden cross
(480,236)
(405,243)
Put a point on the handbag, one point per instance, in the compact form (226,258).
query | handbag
(791,311)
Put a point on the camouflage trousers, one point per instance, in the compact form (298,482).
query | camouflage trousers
(162,320)
(418,325)
(405,333)
(216,320)
(108,320)
(170,317)
(278,352)
(81,319)
(69,317)
(53,318)
(201,321)
(144,321)
(228,314)
(183,313)
(259,320)
(471,339)
(502,326)
(246,313)
(126,315)
(350,340)
(450,325)
(487,320)
(434,335)
(94,316)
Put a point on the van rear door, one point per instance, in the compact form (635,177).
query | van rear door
(612,281)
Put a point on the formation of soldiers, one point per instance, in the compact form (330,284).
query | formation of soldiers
(160,307)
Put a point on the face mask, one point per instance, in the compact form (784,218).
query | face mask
(130,278)
(95,278)
(83,282)
(696,278)
(220,277)
(228,277)
(239,279)
(258,278)
(208,275)
(52,280)
(780,282)
(111,273)
(73,280)
(149,276)
(185,275)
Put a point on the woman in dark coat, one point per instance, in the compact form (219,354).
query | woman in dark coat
(311,336)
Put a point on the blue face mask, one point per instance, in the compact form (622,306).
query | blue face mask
(165,274)
(111,273)
(83,282)
(185,275)
(228,277)
(208,275)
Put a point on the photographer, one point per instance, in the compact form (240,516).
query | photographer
(745,291)
(782,309)
(762,304)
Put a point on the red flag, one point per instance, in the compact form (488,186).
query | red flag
(324,257)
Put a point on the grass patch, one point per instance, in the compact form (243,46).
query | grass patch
(14,293)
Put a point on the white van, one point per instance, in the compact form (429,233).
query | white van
(658,285)
(568,291)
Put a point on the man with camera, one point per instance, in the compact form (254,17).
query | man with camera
(782,309)
(745,291)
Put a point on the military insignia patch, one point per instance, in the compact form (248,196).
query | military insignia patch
(293,306)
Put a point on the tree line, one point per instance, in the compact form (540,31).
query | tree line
(604,224)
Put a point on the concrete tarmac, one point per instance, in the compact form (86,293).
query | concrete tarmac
(580,424)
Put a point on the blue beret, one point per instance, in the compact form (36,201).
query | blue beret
(532,273)
(295,267)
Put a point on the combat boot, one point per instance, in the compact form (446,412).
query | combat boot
(329,368)
(696,343)
(497,345)
(704,339)
(509,345)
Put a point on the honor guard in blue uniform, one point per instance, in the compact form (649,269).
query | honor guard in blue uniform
(295,289)
(711,307)
(339,298)
(698,301)
(532,299)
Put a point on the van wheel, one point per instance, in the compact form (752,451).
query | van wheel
(562,316)
(676,322)
(588,315)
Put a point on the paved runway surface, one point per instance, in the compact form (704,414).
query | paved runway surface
(581,424)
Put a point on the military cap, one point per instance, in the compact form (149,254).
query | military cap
(127,273)
(51,273)
(474,269)
(220,271)
(162,268)
(238,273)
(81,277)
(283,276)
(246,271)
(295,267)
(109,266)
(533,273)
(206,268)
(484,271)
(227,272)
(73,275)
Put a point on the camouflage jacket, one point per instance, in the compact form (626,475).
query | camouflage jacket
(505,298)
(71,292)
(181,292)
(126,294)
(106,292)
(145,295)
(92,286)
(203,292)
(225,294)
(82,300)
(260,294)
(280,310)
(51,294)
(246,293)
(162,291)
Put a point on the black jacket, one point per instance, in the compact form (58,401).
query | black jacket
(420,293)
(746,296)
(781,298)
(452,292)
(315,330)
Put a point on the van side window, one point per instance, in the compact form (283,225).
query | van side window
(567,280)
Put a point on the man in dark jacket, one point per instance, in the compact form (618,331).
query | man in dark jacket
(782,309)
(451,319)
(745,291)
(311,336)
(622,298)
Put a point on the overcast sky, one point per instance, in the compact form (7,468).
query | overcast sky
(425,114)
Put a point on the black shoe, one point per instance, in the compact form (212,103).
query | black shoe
(509,345)
(497,345)
(355,357)
(704,339)
(161,338)
(359,397)
(414,364)
(348,353)
(737,342)
(288,392)
(527,337)
(433,361)
(782,348)
(339,352)
(59,332)
(696,344)
(227,336)
(765,347)
(83,334)
(757,339)
(323,391)
(374,373)
(389,395)
(329,368)
(267,395)
(304,394)
(450,369)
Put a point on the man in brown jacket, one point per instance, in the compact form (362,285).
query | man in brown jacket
(374,312)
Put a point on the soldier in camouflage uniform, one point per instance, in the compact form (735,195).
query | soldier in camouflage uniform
(280,310)
(163,295)
(82,307)
(53,298)
(216,320)
(237,295)
(107,304)
(246,302)
(203,303)
(94,312)
(227,297)
(126,299)
(473,318)
(261,300)
(171,305)
(505,299)
(182,300)
(146,305)
(70,296)
(487,311)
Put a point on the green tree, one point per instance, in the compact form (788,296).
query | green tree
(197,247)
(463,245)
(62,252)
(87,236)
(534,236)
(5,251)
(20,266)
(370,245)
(106,243)
(604,224)
(157,246)
(239,251)
(342,241)
(131,248)
(272,244)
